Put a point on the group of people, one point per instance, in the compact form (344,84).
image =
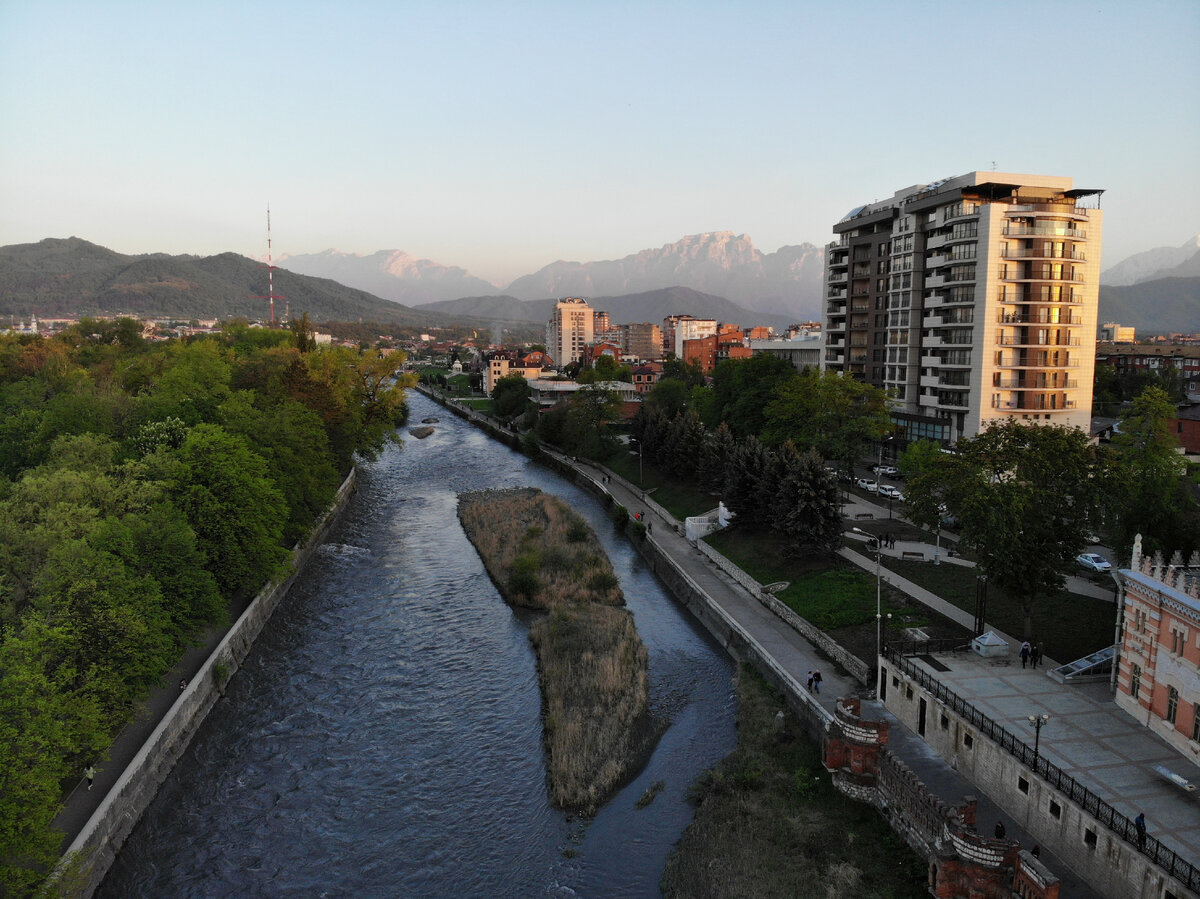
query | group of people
(814,682)
(1031,654)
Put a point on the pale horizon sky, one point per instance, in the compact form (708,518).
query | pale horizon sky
(503,137)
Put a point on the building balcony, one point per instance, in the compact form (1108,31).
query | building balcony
(1005,340)
(1049,210)
(1043,253)
(836,276)
(1016,362)
(1045,229)
(936,260)
(1059,278)
(1034,383)
(934,241)
(1023,294)
(1035,403)
(836,293)
(1044,318)
(862,271)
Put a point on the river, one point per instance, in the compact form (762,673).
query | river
(383,737)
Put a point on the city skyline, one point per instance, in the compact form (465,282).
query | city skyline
(501,139)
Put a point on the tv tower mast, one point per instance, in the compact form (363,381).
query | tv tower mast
(271,295)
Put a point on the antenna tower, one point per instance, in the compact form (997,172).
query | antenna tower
(270,295)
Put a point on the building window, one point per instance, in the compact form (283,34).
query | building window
(1172,704)
(1135,680)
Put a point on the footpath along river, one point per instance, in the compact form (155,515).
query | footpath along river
(384,736)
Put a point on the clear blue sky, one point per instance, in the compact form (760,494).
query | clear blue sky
(502,136)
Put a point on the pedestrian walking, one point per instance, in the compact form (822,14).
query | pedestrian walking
(90,773)
(1034,655)
(1000,831)
(816,681)
(649,527)
(1036,851)
(810,681)
(1025,650)
(1140,824)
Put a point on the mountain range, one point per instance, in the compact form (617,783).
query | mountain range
(718,263)
(1156,292)
(1161,262)
(647,306)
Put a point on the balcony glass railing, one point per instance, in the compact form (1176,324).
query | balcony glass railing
(1048,229)
(1005,340)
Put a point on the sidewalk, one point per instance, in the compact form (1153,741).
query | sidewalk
(81,803)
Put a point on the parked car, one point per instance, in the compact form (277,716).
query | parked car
(888,471)
(889,490)
(866,484)
(1093,562)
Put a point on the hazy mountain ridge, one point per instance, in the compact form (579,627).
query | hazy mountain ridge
(1160,262)
(720,263)
(647,306)
(1162,306)
(391,274)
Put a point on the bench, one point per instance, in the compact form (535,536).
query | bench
(914,555)
(859,516)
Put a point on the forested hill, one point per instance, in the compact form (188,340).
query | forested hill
(68,277)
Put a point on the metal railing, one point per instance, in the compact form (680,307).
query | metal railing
(1163,856)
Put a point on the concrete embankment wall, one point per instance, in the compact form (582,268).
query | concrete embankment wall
(94,849)
(1111,865)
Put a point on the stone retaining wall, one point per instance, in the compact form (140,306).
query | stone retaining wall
(94,849)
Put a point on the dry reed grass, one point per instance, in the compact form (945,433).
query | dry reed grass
(591,663)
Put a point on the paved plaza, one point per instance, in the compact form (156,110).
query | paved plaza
(1087,736)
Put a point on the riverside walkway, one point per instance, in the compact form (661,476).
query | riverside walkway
(798,656)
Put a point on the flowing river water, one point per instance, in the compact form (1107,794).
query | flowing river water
(384,736)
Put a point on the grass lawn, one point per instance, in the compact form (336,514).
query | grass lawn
(1071,626)
(479,404)
(681,500)
(769,822)
(836,596)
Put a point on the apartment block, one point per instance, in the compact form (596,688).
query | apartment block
(970,299)
(569,330)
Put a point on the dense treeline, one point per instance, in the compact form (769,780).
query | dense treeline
(143,489)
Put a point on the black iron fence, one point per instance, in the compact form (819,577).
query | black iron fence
(1163,856)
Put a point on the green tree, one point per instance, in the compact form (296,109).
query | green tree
(742,390)
(804,502)
(1145,490)
(590,412)
(669,396)
(1024,494)
(923,491)
(510,396)
(837,416)
(233,506)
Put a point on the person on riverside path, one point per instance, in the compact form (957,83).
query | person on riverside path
(1140,823)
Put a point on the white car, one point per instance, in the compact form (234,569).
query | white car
(889,490)
(1093,562)
(888,471)
(867,485)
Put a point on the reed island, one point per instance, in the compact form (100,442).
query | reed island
(592,664)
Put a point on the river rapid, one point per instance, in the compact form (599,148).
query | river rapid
(384,737)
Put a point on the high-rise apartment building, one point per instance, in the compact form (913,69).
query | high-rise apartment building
(569,330)
(970,299)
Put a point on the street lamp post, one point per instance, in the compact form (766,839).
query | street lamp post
(1037,722)
(878,596)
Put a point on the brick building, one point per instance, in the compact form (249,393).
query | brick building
(706,352)
(1158,680)
(1161,357)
